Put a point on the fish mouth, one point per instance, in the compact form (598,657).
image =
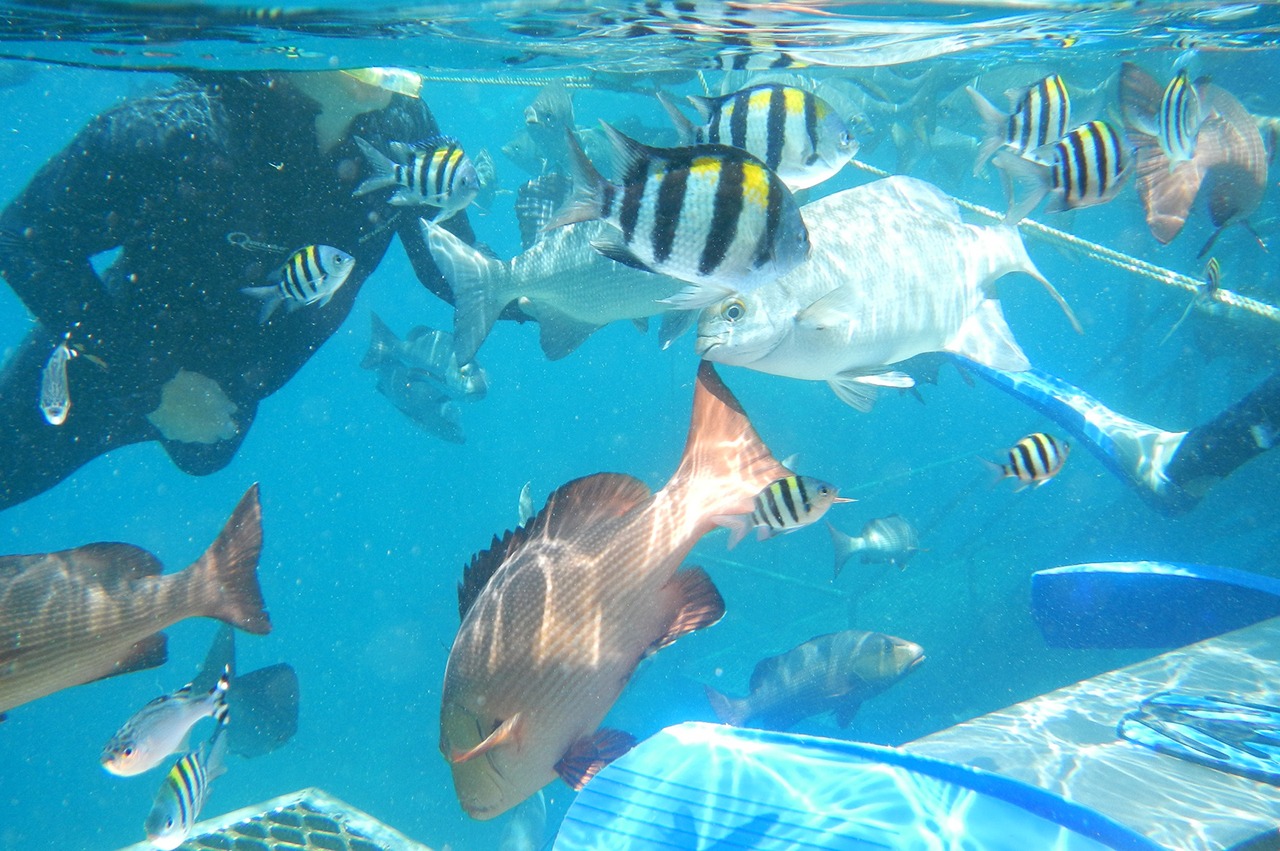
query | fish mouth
(704,344)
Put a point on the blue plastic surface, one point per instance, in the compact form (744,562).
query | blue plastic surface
(1147,603)
(703,786)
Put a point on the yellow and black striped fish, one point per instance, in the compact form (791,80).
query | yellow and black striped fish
(1087,166)
(1040,117)
(713,216)
(182,795)
(792,131)
(1178,121)
(785,505)
(436,172)
(1034,460)
(311,275)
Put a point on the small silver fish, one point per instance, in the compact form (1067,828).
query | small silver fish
(161,727)
(55,393)
(182,795)
(421,400)
(429,354)
(885,539)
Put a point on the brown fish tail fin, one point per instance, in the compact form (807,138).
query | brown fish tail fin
(226,576)
(586,757)
(725,463)
(729,710)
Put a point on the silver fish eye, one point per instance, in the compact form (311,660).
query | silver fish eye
(733,310)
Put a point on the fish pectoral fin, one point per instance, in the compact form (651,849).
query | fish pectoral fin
(587,756)
(985,338)
(695,603)
(833,310)
(150,652)
(507,732)
(899,380)
(845,712)
(853,392)
(737,524)
(558,333)
(619,253)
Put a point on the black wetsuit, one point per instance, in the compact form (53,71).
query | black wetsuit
(204,189)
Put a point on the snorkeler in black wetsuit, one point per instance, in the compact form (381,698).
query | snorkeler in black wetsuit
(203,190)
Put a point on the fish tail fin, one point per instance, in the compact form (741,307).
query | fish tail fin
(992,121)
(1021,262)
(998,472)
(481,286)
(1031,175)
(265,702)
(382,342)
(383,167)
(587,200)
(270,296)
(685,130)
(725,463)
(225,578)
(730,710)
(844,545)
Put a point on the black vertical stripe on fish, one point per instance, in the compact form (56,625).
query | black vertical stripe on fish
(670,201)
(775,127)
(1101,156)
(629,214)
(1023,464)
(607,196)
(440,163)
(1078,185)
(771,512)
(1042,448)
(726,211)
(784,490)
(772,221)
(418,180)
(811,120)
(738,120)
(1044,90)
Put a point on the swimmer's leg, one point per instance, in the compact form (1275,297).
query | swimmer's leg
(1136,452)
(1212,451)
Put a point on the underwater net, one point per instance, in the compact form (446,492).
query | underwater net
(306,819)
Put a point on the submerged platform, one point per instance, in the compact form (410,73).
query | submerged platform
(306,819)
(1065,742)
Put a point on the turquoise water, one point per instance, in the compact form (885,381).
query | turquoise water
(368,521)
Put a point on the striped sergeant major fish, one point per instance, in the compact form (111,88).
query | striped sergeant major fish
(797,134)
(1034,460)
(182,795)
(1203,296)
(1087,166)
(1178,121)
(435,172)
(161,727)
(786,505)
(311,275)
(1041,115)
(55,393)
(712,216)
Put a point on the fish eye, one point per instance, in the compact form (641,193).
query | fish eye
(733,310)
(128,751)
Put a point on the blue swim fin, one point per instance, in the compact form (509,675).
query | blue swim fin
(1228,735)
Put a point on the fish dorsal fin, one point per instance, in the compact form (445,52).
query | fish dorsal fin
(588,755)
(985,338)
(586,502)
(629,156)
(111,563)
(695,603)
(580,503)
(476,575)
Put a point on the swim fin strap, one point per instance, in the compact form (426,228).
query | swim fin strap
(1228,735)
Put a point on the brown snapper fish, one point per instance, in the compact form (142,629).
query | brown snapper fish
(557,614)
(79,615)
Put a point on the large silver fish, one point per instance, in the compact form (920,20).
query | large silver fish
(894,273)
(95,611)
(830,673)
(564,283)
(556,615)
